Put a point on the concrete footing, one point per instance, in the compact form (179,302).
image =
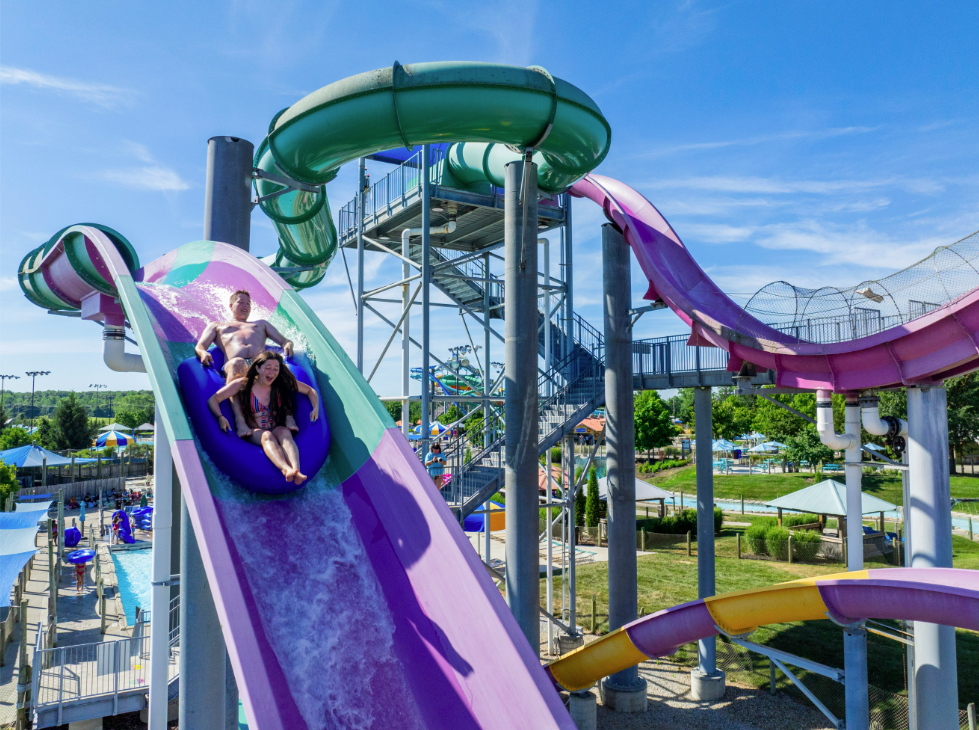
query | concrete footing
(94,724)
(706,687)
(624,699)
(564,644)
(583,707)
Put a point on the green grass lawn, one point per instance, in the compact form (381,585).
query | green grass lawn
(669,578)
(764,487)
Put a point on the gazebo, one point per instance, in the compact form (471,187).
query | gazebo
(645,492)
(828,498)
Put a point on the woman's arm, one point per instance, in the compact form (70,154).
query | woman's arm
(214,402)
(314,398)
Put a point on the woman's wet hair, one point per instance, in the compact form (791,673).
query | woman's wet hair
(282,399)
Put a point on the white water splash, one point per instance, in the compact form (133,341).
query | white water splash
(322,607)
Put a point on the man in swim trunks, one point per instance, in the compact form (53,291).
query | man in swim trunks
(241,341)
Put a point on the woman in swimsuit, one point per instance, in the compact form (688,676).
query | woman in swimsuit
(267,395)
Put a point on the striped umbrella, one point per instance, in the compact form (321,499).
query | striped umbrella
(113,438)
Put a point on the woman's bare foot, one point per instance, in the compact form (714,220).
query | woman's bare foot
(300,477)
(289,473)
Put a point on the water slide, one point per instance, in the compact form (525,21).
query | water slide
(937,595)
(937,345)
(357,601)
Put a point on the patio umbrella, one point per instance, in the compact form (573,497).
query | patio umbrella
(766,448)
(437,429)
(724,445)
(779,444)
(113,438)
(873,447)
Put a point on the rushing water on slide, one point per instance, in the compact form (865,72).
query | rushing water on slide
(320,603)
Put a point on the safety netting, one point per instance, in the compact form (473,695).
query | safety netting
(832,314)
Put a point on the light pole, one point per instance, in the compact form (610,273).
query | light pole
(3,383)
(109,397)
(97,389)
(34,374)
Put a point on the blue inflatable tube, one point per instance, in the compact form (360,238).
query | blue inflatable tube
(80,556)
(73,536)
(243,461)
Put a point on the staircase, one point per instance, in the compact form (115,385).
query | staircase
(572,389)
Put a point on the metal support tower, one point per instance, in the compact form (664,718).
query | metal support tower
(206,687)
(520,454)
(620,440)
(935,679)
(855,638)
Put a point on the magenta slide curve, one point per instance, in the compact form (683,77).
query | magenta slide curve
(940,344)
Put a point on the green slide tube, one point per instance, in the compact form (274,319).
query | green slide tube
(493,113)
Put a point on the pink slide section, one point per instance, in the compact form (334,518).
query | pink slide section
(940,344)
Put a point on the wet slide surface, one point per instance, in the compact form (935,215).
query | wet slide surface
(940,344)
(356,602)
(937,595)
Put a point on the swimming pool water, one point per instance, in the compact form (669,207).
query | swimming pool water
(133,574)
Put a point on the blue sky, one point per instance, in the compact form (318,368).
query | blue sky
(821,143)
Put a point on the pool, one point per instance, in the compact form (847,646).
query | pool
(133,571)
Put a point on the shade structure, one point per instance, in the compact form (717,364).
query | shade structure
(542,477)
(437,430)
(115,427)
(828,498)
(31,455)
(777,444)
(764,448)
(146,427)
(16,548)
(113,438)
(724,445)
(873,447)
(16,520)
(23,507)
(644,491)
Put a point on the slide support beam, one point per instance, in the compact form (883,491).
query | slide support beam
(855,638)
(706,681)
(628,688)
(520,447)
(160,597)
(930,524)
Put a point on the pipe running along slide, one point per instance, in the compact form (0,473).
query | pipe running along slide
(358,601)
(937,595)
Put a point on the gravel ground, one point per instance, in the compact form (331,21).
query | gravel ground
(743,708)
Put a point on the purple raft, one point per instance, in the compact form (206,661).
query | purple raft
(245,462)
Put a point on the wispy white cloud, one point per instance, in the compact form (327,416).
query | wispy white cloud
(103,95)
(778,186)
(152,175)
(7,283)
(816,134)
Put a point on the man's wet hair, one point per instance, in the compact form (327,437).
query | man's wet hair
(237,294)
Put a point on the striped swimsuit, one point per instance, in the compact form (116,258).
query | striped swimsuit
(262,414)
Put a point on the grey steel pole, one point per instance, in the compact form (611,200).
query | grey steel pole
(203,691)
(570,493)
(227,191)
(706,681)
(405,347)
(521,421)
(426,301)
(361,170)
(160,597)
(568,276)
(855,639)
(936,683)
(487,427)
(906,561)
(620,440)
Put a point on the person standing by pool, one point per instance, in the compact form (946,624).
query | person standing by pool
(435,463)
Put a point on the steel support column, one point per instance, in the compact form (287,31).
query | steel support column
(426,429)
(855,639)
(706,681)
(521,421)
(936,682)
(160,598)
(205,689)
(620,443)
(359,209)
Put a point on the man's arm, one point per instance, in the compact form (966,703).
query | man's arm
(278,338)
(206,340)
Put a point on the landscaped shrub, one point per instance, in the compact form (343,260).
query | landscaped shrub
(755,536)
(777,542)
(797,519)
(805,545)
(718,519)
(679,524)
(662,465)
